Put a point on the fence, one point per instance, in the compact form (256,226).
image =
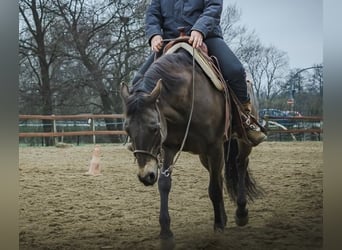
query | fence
(89,122)
(294,127)
(279,128)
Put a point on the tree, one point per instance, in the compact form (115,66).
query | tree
(74,54)
(274,65)
(306,87)
(37,52)
(106,38)
(266,65)
(232,31)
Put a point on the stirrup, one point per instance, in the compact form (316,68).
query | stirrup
(255,135)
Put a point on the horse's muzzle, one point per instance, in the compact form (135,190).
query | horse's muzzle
(149,179)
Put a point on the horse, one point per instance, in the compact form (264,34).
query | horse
(175,108)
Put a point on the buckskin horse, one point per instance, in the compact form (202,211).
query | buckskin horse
(174,108)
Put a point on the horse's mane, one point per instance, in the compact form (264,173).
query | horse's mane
(166,68)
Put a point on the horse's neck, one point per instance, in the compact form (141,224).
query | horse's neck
(172,109)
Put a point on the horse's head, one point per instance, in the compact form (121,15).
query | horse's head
(143,126)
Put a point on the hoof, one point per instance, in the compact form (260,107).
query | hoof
(241,219)
(218,229)
(166,235)
(167,244)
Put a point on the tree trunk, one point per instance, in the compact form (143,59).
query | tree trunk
(45,89)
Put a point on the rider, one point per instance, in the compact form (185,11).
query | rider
(201,20)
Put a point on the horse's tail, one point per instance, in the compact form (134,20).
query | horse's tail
(231,149)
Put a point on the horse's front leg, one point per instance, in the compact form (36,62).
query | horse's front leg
(164,186)
(215,165)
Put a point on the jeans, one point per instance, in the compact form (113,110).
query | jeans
(144,68)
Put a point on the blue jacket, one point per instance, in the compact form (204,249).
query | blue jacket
(163,17)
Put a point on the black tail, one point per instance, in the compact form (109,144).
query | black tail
(231,150)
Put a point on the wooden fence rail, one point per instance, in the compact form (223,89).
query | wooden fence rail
(93,132)
(70,117)
(296,119)
(91,118)
(296,127)
(71,133)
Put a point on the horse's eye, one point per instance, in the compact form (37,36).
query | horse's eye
(154,129)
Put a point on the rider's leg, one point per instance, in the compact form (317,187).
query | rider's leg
(143,68)
(235,75)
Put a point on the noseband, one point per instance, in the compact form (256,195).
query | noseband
(144,152)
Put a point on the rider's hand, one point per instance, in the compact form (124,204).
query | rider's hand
(196,39)
(156,43)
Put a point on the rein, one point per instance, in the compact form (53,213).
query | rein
(168,171)
(191,111)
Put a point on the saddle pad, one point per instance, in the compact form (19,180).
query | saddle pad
(201,60)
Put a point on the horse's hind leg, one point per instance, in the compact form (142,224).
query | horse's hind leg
(214,163)
(242,160)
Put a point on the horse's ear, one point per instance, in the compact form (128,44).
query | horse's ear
(156,91)
(124,91)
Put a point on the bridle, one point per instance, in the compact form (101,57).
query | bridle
(156,156)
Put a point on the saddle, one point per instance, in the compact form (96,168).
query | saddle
(208,64)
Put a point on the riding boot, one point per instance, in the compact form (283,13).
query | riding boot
(253,131)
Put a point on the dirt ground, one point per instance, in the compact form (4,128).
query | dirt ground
(61,208)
